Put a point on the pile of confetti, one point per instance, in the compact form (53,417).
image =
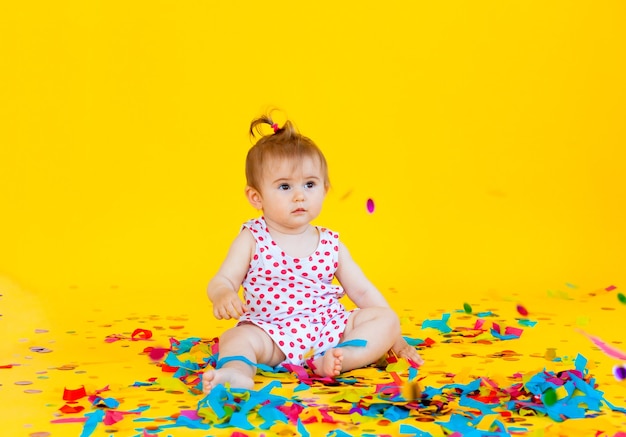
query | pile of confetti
(293,398)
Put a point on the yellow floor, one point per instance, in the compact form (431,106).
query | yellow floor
(78,337)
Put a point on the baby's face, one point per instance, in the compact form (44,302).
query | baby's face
(292,193)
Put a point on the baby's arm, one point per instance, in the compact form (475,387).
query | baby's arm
(364,294)
(224,287)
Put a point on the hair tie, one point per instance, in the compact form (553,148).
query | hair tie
(275,127)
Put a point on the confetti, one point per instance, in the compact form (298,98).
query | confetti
(291,400)
(370,206)
(157,353)
(549,397)
(604,347)
(619,372)
(522,310)
(621,297)
(40,350)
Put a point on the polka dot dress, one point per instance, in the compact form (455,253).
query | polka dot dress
(293,299)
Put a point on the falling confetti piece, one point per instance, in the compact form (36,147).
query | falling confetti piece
(621,297)
(467,308)
(522,310)
(606,348)
(610,288)
(23,382)
(370,206)
(41,350)
(549,397)
(550,354)
(619,372)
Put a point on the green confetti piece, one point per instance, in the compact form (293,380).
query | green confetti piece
(467,308)
(549,397)
(621,298)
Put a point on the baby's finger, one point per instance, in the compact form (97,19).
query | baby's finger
(216,313)
(241,308)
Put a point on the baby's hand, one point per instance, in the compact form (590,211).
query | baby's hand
(227,305)
(403,350)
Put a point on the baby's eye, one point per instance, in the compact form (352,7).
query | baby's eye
(283,187)
(309,184)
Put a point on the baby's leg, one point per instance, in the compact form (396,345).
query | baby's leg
(248,341)
(379,326)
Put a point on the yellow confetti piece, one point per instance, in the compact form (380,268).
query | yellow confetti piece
(463,377)
(168,383)
(582,321)
(353,395)
(561,393)
(398,367)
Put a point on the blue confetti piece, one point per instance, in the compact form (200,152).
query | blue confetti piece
(301,429)
(413,341)
(338,433)
(412,373)
(527,322)
(93,419)
(354,342)
(264,367)
(301,386)
(503,336)
(270,414)
(415,432)
(184,421)
(395,413)
(441,325)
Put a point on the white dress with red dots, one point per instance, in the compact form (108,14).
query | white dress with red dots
(293,299)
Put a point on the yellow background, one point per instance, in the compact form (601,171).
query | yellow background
(489,134)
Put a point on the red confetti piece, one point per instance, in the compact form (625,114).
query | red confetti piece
(72,395)
(141,334)
(522,310)
(69,409)
(610,288)
(428,342)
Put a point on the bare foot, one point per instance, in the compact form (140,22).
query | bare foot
(213,378)
(329,364)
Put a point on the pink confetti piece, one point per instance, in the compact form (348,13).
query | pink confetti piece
(606,348)
(370,206)
(610,288)
(509,330)
(157,353)
(522,310)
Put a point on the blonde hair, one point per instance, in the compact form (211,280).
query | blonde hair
(284,143)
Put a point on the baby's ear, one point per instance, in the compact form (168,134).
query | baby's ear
(254,197)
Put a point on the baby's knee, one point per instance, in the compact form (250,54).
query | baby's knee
(391,321)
